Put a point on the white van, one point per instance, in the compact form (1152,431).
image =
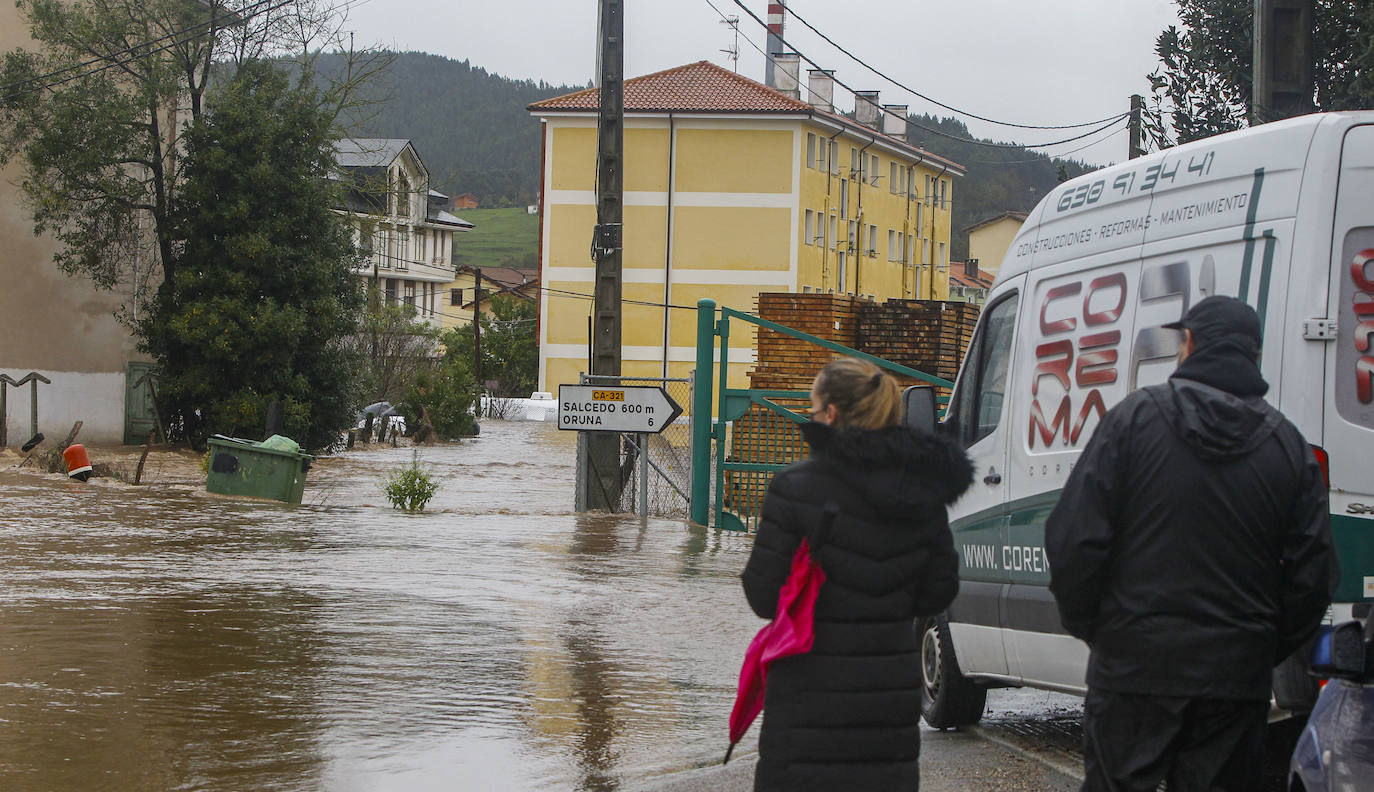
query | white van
(1281,215)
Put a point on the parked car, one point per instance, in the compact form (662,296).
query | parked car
(1336,750)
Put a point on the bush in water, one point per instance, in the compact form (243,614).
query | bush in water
(410,488)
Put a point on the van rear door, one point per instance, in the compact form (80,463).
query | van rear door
(1349,414)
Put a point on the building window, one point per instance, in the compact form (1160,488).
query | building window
(873,241)
(810,232)
(384,253)
(891,245)
(920,225)
(873,172)
(944,194)
(811,149)
(852,237)
(834,231)
(940,262)
(455,296)
(402,196)
(390,291)
(422,245)
(892,178)
(410,293)
(844,197)
(910,246)
(834,156)
(402,249)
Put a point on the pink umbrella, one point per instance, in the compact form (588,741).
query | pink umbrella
(791,632)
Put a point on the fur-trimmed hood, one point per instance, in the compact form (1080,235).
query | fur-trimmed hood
(896,467)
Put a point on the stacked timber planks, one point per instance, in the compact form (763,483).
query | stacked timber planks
(787,363)
(927,335)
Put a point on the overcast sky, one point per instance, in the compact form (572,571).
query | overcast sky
(1024,61)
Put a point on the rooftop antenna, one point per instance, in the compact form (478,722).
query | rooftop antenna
(733,51)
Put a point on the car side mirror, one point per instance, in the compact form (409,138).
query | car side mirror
(1339,652)
(918,408)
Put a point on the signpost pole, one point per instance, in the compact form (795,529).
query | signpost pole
(643,475)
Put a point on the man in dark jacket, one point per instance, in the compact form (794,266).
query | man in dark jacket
(1191,550)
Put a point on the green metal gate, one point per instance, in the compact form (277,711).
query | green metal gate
(773,440)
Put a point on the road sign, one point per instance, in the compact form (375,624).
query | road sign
(604,408)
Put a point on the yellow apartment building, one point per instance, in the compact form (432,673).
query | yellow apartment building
(732,188)
(989,240)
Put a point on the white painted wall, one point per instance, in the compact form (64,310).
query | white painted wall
(96,399)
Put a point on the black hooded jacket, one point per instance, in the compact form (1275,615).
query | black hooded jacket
(1191,548)
(845,715)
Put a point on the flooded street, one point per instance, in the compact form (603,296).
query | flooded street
(157,637)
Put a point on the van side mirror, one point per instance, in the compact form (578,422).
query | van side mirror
(918,408)
(1339,652)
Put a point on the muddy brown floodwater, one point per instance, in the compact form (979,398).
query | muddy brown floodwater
(159,638)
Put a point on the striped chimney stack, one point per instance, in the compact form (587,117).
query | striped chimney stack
(776,12)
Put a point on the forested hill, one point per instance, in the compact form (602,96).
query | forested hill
(469,126)
(1000,179)
(474,134)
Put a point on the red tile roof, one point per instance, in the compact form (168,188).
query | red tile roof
(958,275)
(704,87)
(701,87)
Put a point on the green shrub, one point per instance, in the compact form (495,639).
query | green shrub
(447,392)
(410,488)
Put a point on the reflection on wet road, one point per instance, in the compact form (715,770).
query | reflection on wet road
(159,638)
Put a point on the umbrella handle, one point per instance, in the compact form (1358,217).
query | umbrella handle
(728,751)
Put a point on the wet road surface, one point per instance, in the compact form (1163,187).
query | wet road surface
(157,637)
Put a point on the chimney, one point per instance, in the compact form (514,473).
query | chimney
(788,66)
(820,89)
(776,17)
(894,121)
(971,268)
(866,108)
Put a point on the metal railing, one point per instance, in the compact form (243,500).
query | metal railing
(741,476)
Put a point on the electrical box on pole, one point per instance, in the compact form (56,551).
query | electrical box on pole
(1283,85)
(602,481)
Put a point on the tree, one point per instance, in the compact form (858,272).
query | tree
(395,347)
(262,293)
(1203,85)
(510,348)
(100,114)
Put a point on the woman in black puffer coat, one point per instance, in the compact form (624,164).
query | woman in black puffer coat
(844,716)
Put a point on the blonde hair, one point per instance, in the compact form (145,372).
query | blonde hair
(864,397)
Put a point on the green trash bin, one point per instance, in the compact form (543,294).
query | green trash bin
(242,467)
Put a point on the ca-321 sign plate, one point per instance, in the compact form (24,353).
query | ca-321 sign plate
(643,409)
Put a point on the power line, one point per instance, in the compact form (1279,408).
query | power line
(969,140)
(788,9)
(1060,155)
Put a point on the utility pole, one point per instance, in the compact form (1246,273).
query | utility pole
(1282,86)
(602,478)
(477,330)
(1137,106)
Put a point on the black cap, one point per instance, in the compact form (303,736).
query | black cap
(1218,317)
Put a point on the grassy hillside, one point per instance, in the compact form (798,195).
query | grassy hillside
(502,238)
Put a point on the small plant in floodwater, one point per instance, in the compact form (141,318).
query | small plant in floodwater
(410,488)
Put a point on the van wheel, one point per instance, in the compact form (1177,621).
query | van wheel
(948,698)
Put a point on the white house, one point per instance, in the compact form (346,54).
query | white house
(400,220)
